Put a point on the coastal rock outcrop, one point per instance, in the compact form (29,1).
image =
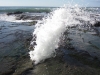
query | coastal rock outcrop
(12,13)
(28,17)
(97,24)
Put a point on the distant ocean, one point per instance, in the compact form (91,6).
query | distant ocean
(25,9)
(37,9)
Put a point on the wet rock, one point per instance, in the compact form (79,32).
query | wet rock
(19,17)
(71,47)
(95,58)
(83,53)
(0,28)
(53,67)
(86,59)
(27,72)
(33,23)
(28,17)
(97,30)
(37,18)
(66,65)
(97,24)
(7,66)
(12,13)
(9,14)
(23,17)
(23,64)
(18,12)
(27,41)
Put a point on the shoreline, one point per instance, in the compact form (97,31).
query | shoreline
(71,58)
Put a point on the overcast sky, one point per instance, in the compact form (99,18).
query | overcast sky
(93,3)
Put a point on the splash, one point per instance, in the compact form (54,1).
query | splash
(51,28)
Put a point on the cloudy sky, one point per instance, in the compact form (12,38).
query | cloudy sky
(93,3)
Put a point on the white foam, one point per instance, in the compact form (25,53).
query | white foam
(4,17)
(11,18)
(51,28)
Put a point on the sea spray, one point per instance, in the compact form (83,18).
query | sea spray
(50,29)
(5,17)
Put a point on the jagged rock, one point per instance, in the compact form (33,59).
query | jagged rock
(17,12)
(7,66)
(83,53)
(28,17)
(20,17)
(97,24)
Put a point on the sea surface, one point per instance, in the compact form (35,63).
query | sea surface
(26,9)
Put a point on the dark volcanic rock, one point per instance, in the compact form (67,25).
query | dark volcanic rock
(7,66)
(28,17)
(19,17)
(83,53)
(97,24)
(17,12)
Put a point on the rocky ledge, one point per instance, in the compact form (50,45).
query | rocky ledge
(78,55)
(13,13)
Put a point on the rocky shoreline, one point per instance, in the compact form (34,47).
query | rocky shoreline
(71,58)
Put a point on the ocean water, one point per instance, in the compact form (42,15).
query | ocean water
(26,9)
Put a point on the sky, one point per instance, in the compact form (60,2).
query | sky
(53,3)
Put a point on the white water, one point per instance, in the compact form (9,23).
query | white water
(50,29)
(11,18)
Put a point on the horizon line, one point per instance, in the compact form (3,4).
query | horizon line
(43,6)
